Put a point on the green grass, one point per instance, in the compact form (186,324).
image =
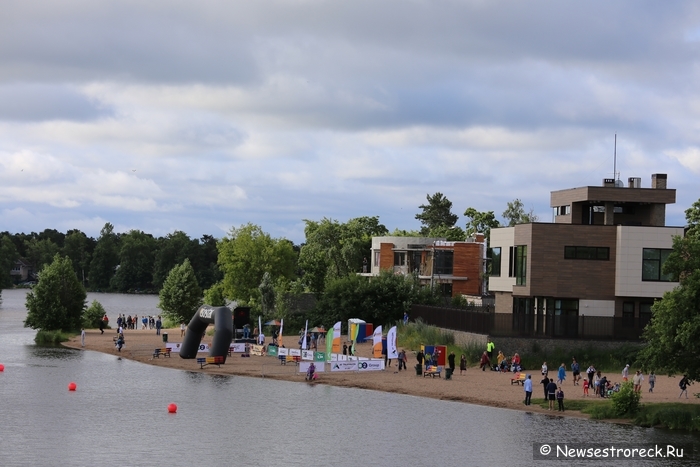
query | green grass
(413,335)
(671,415)
(606,360)
(51,337)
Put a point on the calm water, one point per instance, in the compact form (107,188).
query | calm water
(118,416)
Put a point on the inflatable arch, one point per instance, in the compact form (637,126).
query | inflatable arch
(222,320)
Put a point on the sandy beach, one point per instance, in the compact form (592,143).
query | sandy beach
(487,388)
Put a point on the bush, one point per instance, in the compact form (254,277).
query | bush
(626,402)
(50,337)
(93,315)
(672,416)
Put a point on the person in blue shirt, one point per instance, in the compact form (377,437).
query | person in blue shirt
(527,385)
(562,374)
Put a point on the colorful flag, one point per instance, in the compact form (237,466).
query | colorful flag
(391,349)
(356,332)
(329,344)
(303,341)
(377,342)
(279,337)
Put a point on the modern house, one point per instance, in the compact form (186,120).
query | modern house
(595,271)
(456,267)
(21,271)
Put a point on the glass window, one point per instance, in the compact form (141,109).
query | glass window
(444,261)
(376,258)
(521,265)
(628,314)
(653,260)
(399,258)
(587,252)
(494,254)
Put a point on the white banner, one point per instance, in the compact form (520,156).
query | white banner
(283,351)
(294,352)
(257,350)
(344,366)
(304,367)
(303,340)
(391,350)
(334,357)
(238,347)
(173,346)
(307,355)
(370,365)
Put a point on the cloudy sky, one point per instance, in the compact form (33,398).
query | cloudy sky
(199,116)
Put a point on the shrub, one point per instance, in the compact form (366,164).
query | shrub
(626,402)
(93,315)
(50,337)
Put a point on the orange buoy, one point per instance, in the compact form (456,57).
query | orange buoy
(72,386)
(172,408)
(2,367)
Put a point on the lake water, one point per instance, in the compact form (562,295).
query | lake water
(118,416)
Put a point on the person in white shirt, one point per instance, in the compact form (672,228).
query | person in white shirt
(261,339)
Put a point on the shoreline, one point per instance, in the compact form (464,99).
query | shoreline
(485,388)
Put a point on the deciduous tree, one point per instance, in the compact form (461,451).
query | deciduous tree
(105,259)
(180,296)
(515,214)
(480,222)
(437,213)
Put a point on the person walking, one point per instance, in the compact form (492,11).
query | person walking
(451,361)
(626,372)
(489,348)
(182,328)
(102,326)
(591,373)
(82,337)
(652,381)
(402,355)
(544,382)
(576,371)
(638,379)
(159,324)
(527,387)
(462,364)
(485,361)
(561,376)
(683,384)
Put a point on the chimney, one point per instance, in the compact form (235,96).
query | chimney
(658,181)
(634,182)
(609,182)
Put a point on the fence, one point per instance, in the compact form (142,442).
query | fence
(481,320)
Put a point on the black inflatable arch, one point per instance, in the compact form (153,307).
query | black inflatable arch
(222,320)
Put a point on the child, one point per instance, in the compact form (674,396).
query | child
(560,399)
(652,381)
(585,388)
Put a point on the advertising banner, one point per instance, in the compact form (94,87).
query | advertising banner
(283,351)
(336,338)
(303,339)
(370,365)
(271,350)
(377,342)
(294,352)
(238,347)
(257,350)
(307,355)
(319,356)
(304,367)
(173,346)
(329,344)
(344,366)
(391,349)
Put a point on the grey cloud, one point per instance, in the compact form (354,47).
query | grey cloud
(38,102)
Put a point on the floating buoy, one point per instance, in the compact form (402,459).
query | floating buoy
(172,408)
(72,386)
(2,367)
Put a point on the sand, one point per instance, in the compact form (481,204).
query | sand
(488,388)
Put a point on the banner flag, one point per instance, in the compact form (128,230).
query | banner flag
(329,344)
(260,325)
(354,338)
(391,350)
(279,337)
(306,330)
(336,338)
(377,342)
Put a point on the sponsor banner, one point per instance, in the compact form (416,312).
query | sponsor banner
(304,367)
(344,366)
(319,356)
(238,347)
(391,350)
(342,358)
(282,351)
(329,344)
(294,352)
(257,350)
(174,347)
(336,338)
(307,354)
(377,342)
(334,357)
(271,350)
(303,340)
(370,365)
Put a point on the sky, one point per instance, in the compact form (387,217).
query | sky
(202,116)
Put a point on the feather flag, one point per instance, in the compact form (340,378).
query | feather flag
(336,338)
(391,349)
(377,342)
(279,337)
(306,330)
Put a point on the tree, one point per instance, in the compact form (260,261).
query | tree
(452,234)
(93,315)
(41,252)
(437,213)
(180,296)
(246,254)
(105,259)
(267,294)
(8,256)
(135,271)
(172,250)
(480,222)
(333,249)
(58,300)
(78,247)
(515,214)
(673,334)
(214,295)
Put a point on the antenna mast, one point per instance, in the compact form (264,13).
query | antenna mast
(615,159)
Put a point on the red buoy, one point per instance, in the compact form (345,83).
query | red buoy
(172,408)
(72,386)
(2,367)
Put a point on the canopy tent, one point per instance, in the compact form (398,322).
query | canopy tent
(273,322)
(317,329)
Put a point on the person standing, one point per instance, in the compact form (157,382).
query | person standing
(364,265)
(683,384)
(489,348)
(159,324)
(637,379)
(652,381)
(420,356)
(560,399)
(591,373)
(182,328)
(626,372)
(585,388)
(261,338)
(345,350)
(102,326)
(451,361)
(527,386)
(405,318)
(545,369)
(576,371)
(462,364)
(82,337)
(402,359)
(485,362)
(544,382)
(551,393)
